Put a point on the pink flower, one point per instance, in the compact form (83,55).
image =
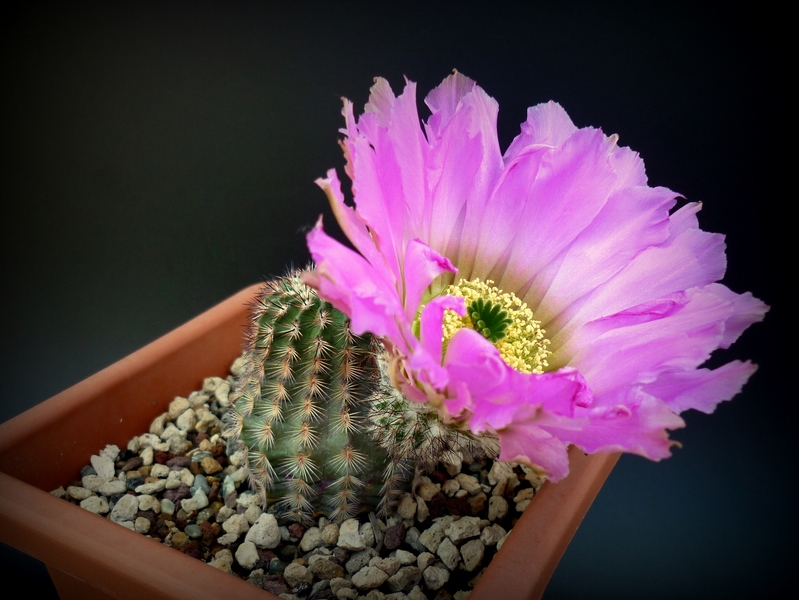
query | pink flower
(546,294)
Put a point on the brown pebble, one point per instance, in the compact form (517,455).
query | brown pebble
(296,530)
(178,462)
(457,507)
(394,537)
(179,539)
(133,463)
(162,457)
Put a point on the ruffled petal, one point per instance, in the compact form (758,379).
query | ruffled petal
(635,423)
(571,186)
(421,266)
(688,258)
(355,287)
(546,125)
(701,389)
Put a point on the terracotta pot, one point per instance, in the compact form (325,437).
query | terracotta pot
(88,556)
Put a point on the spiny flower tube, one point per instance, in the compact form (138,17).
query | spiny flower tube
(547,295)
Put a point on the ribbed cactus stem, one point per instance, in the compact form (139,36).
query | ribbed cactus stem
(301,407)
(325,431)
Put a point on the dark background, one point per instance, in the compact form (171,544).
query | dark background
(157,159)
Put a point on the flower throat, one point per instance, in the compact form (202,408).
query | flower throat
(504,320)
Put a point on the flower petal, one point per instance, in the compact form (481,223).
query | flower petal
(355,287)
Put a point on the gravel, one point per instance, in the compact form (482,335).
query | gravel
(176,483)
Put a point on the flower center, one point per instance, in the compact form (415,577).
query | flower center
(504,320)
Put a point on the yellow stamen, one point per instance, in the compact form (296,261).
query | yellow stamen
(522,345)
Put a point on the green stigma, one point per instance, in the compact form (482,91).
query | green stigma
(489,319)
(504,320)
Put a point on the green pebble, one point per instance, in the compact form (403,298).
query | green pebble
(193,531)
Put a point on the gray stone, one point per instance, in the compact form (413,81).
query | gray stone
(463,529)
(125,509)
(435,576)
(388,565)
(198,501)
(194,531)
(491,535)
(497,508)
(432,536)
(412,539)
(369,578)
(404,579)
(295,574)
(186,421)
(472,554)
(167,507)
(425,559)
(339,583)
(359,560)
(405,557)
(324,568)
(448,553)
(198,482)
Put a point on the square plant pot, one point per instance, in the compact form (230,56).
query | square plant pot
(89,556)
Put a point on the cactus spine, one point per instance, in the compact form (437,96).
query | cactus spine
(324,430)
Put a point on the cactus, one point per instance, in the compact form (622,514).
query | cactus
(324,430)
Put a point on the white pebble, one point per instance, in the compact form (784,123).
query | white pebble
(349,537)
(96,504)
(236,524)
(103,466)
(264,533)
(79,493)
(125,509)
(115,486)
(176,407)
(247,555)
